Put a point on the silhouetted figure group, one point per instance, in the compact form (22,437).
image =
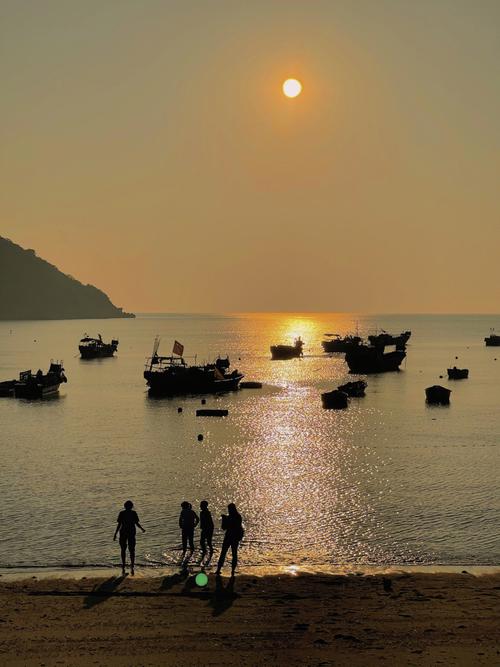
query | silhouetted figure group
(231,523)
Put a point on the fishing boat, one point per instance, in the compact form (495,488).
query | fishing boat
(366,359)
(493,340)
(384,339)
(354,389)
(288,351)
(437,395)
(7,388)
(171,375)
(95,348)
(337,343)
(335,400)
(458,373)
(39,384)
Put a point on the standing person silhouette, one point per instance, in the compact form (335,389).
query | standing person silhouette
(207,531)
(232,523)
(188,520)
(126,523)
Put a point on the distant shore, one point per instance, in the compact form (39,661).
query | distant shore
(396,618)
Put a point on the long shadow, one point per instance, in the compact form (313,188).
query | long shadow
(223,596)
(102,592)
(170,581)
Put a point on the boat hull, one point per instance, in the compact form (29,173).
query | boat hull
(167,384)
(437,395)
(7,388)
(285,352)
(368,360)
(96,353)
(34,391)
(338,345)
(492,341)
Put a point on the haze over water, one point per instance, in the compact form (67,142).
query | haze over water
(390,480)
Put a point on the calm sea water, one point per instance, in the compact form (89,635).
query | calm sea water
(389,480)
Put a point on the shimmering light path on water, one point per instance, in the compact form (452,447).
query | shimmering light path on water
(389,480)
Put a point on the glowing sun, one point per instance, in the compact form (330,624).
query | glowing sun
(292,87)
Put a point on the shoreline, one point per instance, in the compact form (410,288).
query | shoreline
(17,573)
(407,618)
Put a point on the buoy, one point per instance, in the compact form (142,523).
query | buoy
(179,409)
(203,401)
(200,437)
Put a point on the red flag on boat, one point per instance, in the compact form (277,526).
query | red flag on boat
(178,348)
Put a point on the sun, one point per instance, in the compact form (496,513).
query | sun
(292,87)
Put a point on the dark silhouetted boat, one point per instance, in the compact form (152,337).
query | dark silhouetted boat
(95,348)
(288,351)
(172,375)
(335,400)
(7,388)
(354,389)
(458,373)
(39,384)
(366,359)
(493,340)
(384,339)
(437,395)
(338,343)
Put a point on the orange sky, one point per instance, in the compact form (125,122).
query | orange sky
(147,148)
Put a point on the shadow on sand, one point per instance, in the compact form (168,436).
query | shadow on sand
(102,592)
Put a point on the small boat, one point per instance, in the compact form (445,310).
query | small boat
(493,340)
(458,373)
(251,385)
(335,400)
(383,339)
(338,343)
(288,351)
(7,388)
(366,359)
(437,395)
(208,412)
(354,389)
(40,385)
(172,375)
(95,348)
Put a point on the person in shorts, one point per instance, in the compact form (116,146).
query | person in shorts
(126,523)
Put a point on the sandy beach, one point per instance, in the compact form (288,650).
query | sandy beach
(394,619)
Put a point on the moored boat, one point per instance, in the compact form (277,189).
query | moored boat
(458,373)
(366,359)
(335,400)
(437,395)
(95,348)
(385,339)
(288,351)
(7,388)
(337,343)
(172,375)
(39,384)
(493,340)
(354,389)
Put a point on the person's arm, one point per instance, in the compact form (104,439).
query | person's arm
(196,519)
(138,524)
(180,520)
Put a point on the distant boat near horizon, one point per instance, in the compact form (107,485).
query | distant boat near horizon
(95,348)
(493,340)
(338,343)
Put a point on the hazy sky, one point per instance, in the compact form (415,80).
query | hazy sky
(147,148)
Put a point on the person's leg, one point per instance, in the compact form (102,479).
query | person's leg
(234,551)
(191,540)
(225,546)
(203,544)
(184,543)
(123,549)
(210,545)
(131,548)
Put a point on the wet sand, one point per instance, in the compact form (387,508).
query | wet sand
(394,619)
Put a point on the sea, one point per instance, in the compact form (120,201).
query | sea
(387,481)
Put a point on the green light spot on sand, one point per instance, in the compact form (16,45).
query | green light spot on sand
(201,579)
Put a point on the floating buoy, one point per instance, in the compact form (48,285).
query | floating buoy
(203,401)
(200,437)
(179,409)
(207,412)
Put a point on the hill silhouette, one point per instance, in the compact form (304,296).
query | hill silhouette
(33,289)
